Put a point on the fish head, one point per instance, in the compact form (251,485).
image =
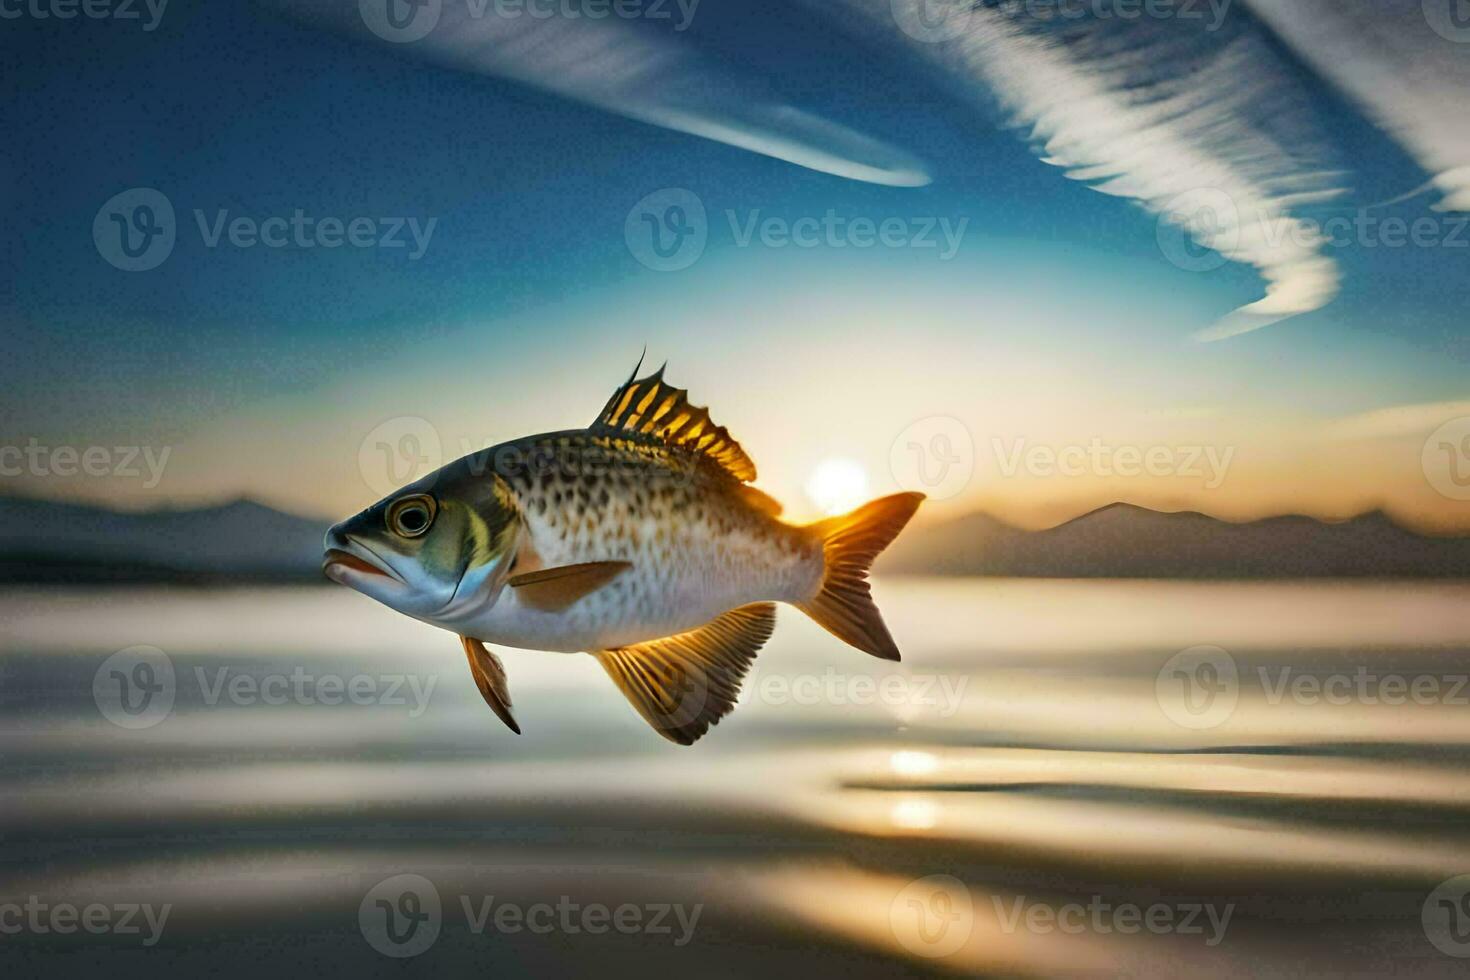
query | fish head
(431,548)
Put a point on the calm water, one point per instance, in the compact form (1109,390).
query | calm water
(1046,786)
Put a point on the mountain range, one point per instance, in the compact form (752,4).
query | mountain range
(1124,541)
(242,541)
(245,541)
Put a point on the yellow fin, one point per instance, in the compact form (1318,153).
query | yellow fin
(553,589)
(844,605)
(490,679)
(649,406)
(685,683)
(761,501)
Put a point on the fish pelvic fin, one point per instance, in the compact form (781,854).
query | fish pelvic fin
(489,676)
(685,683)
(652,407)
(844,606)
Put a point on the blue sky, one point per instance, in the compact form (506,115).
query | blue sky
(230,107)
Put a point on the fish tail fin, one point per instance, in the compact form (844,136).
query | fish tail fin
(844,606)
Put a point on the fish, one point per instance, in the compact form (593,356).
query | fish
(638,540)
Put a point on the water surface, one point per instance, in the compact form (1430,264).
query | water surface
(1045,786)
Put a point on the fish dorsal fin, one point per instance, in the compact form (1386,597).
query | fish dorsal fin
(651,406)
(685,683)
(490,679)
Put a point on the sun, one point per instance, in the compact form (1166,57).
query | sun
(836,486)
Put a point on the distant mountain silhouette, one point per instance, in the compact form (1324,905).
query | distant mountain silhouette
(1123,541)
(243,541)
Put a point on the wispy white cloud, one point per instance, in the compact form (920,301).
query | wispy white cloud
(1406,61)
(654,72)
(1196,120)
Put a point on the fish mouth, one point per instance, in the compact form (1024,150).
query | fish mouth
(343,559)
(336,562)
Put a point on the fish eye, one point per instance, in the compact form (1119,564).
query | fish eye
(411,516)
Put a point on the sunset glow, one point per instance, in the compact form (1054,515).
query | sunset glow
(836,486)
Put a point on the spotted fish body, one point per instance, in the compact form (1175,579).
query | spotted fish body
(637,540)
(697,541)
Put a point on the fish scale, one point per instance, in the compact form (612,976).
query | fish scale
(697,546)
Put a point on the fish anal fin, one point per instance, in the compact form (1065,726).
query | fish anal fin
(489,676)
(554,589)
(652,407)
(685,683)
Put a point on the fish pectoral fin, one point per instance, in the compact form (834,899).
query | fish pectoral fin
(553,589)
(490,679)
(685,683)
